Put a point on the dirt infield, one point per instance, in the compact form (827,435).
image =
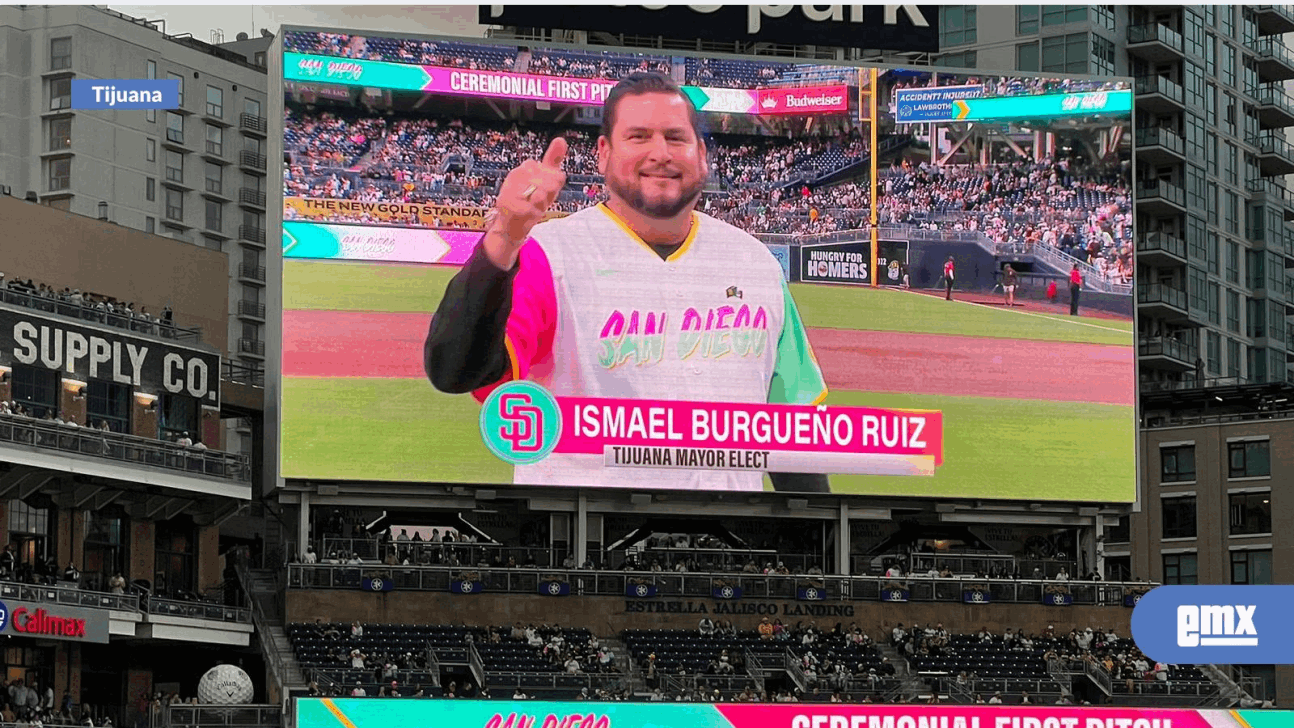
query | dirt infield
(1061,307)
(389,345)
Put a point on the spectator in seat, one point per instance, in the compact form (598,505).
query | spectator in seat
(1062,575)
(71,573)
(705,627)
(572,665)
(1025,699)
(765,629)
(358,692)
(996,699)
(518,695)
(311,557)
(356,630)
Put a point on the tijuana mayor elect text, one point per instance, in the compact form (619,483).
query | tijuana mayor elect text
(973,721)
(762,427)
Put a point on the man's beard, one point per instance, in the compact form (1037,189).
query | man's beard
(663,210)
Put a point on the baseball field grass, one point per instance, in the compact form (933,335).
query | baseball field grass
(353,425)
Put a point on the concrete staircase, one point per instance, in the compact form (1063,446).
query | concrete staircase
(909,684)
(263,590)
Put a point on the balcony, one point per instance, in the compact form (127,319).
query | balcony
(1155,42)
(1273,19)
(1159,95)
(1275,155)
(1161,301)
(1162,352)
(1161,249)
(84,313)
(250,234)
(1273,60)
(1160,146)
(252,272)
(252,160)
(214,152)
(1275,109)
(252,124)
(251,347)
(191,621)
(252,309)
(251,198)
(1160,198)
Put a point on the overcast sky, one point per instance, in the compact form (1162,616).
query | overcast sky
(201,20)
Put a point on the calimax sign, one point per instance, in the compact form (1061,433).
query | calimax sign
(53,622)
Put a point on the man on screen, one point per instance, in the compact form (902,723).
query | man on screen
(641,297)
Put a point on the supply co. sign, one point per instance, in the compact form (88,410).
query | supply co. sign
(880,27)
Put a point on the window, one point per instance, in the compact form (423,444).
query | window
(1251,567)
(1214,353)
(214,178)
(215,102)
(1181,569)
(1250,513)
(1179,517)
(1027,58)
(174,127)
(1065,53)
(150,70)
(1118,568)
(176,561)
(1233,262)
(1230,163)
(1233,312)
(108,402)
(1215,292)
(60,94)
(1058,14)
(150,189)
(150,150)
(251,107)
(214,215)
(1227,20)
(174,166)
(29,530)
(1102,56)
(60,54)
(1212,244)
(60,174)
(253,145)
(965,59)
(1193,26)
(150,224)
(36,389)
(179,416)
(106,544)
(60,134)
(1026,19)
(1177,464)
(177,77)
(215,140)
(956,25)
(1233,358)
(258,58)
(1121,533)
(1251,459)
(1104,16)
(1210,54)
(174,204)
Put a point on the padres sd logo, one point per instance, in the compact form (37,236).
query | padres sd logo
(521,423)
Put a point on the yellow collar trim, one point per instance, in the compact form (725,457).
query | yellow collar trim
(687,242)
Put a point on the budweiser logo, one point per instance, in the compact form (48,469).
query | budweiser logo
(809,101)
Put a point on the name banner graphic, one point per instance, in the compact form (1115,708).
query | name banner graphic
(365,713)
(377,243)
(404,214)
(555,89)
(522,423)
(126,93)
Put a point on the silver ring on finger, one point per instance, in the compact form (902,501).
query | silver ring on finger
(526,193)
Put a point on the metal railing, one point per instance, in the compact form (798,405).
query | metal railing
(551,680)
(196,610)
(1148,32)
(474,662)
(249,196)
(46,434)
(1098,675)
(233,371)
(251,159)
(251,122)
(791,663)
(251,308)
(1275,96)
(254,272)
(278,669)
(1161,241)
(1271,144)
(86,312)
(1149,189)
(1160,293)
(1285,11)
(242,716)
(69,596)
(1155,135)
(253,234)
(1159,85)
(605,583)
(1167,346)
(251,346)
(1267,187)
(1273,48)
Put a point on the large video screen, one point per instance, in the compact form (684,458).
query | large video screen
(550,265)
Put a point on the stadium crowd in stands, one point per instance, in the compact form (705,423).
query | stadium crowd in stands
(86,306)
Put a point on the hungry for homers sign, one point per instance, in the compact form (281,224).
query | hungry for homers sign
(366,713)
(84,353)
(851,262)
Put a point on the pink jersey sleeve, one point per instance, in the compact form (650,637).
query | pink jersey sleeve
(533,320)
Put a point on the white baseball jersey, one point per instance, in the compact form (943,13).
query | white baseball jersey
(598,313)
